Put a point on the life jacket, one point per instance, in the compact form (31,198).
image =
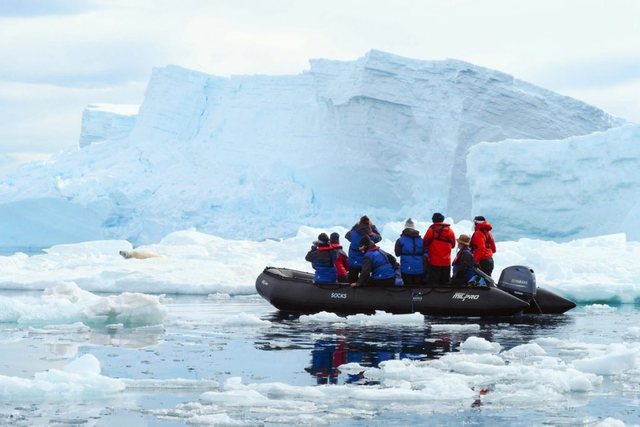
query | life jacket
(381,268)
(342,266)
(323,263)
(482,244)
(469,272)
(439,240)
(355,256)
(354,235)
(411,254)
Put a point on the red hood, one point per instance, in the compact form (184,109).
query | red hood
(442,223)
(484,226)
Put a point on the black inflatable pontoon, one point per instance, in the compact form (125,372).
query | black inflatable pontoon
(294,291)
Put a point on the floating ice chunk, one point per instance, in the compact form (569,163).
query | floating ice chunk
(599,309)
(220,419)
(616,359)
(470,327)
(244,319)
(80,377)
(524,351)
(611,422)
(379,318)
(67,303)
(321,317)
(478,344)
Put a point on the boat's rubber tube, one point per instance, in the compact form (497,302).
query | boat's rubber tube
(547,302)
(294,291)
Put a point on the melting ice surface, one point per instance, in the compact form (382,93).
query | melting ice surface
(223,356)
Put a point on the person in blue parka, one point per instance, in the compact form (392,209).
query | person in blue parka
(378,267)
(363,228)
(410,248)
(323,260)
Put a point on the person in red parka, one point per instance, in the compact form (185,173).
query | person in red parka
(439,240)
(483,245)
(342,260)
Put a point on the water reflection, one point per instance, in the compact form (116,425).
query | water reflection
(334,344)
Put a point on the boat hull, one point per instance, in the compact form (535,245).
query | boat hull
(294,291)
(548,302)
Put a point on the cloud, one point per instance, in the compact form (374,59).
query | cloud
(88,47)
(46,118)
(620,100)
(29,8)
(591,73)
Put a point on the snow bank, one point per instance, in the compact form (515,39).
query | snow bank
(192,262)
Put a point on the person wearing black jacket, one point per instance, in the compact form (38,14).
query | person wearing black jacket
(463,265)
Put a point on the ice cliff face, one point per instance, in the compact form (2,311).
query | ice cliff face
(256,156)
(563,189)
(102,122)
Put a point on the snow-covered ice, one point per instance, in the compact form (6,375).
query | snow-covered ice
(193,262)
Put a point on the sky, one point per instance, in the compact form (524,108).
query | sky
(60,55)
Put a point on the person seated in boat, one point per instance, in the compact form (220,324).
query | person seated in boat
(439,240)
(378,267)
(463,265)
(342,260)
(322,259)
(364,227)
(410,248)
(483,245)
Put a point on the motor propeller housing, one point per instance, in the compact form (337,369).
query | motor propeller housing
(519,281)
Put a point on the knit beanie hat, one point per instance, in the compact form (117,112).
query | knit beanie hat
(323,238)
(409,224)
(334,238)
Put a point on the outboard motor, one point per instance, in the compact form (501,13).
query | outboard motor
(519,281)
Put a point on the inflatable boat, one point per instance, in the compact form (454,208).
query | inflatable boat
(294,291)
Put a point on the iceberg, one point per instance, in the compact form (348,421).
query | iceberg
(259,156)
(581,186)
(103,122)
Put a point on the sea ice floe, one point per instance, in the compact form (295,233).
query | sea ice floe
(66,303)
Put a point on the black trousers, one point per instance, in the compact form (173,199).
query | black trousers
(439,276)
(412,279)
(354,273)
(486,265)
